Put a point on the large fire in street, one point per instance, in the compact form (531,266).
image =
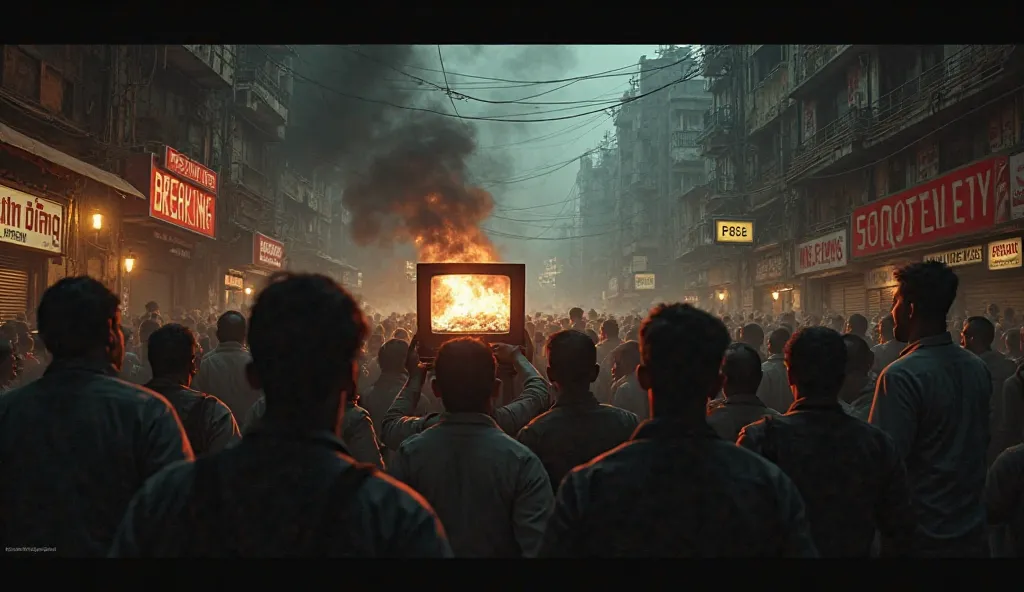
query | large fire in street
(464,303)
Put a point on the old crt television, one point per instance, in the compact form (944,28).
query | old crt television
(484,300)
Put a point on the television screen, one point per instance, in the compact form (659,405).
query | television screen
(470,304)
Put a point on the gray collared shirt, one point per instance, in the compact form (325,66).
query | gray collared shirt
(934,402)
(222,374)
(774,389)
(491,493)
(885,354)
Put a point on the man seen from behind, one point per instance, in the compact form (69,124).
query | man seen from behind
(741,371)
(848,472)
(577,427)
(76,444)
(289,488)
(173,352)
(491,492)
(641,498)
(222,372)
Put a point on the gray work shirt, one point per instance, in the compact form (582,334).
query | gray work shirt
(774,389)
(222,374)
(491,493)
(934,403)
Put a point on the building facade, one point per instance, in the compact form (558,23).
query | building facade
(158,170)
(850,160)
(631,213)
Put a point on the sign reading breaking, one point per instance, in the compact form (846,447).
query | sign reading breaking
(967,200)
(190,170)
(267,252)
(824,252)
(644,281)
(30,221)
(1004,254)
(734,232)
(181,204)
(958,257)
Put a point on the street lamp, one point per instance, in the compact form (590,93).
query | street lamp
(721,295)
(129,262)
(97,221)
(775,295)
(248,291)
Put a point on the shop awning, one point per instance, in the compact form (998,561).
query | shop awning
(21,141)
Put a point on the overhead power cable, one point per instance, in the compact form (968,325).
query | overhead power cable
(505,119)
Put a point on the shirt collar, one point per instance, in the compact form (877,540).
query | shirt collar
(673,428)
(481,419)
(89,365)
(779,357)
(583,400)
(745,399)
(229,346)
(816,404)
(272,431)
(933,341)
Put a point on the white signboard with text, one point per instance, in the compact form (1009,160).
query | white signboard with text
(30,221)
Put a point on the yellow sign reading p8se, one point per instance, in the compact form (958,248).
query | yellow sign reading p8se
(734,232)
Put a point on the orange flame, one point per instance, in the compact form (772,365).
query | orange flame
(464,303)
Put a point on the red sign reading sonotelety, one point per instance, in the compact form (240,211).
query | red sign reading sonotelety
(967,200)
(267,251)
(181,204)
(185,167)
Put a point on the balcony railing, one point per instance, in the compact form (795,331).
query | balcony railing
(810,59)
(771,97)
(268,98)
(765,184)
(720,183)
(717,121)
(828,145)
(947,82)
(212,66)
(716,59)
(255,181)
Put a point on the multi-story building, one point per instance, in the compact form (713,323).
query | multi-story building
(172,121)
(59,204)
(657,139)
(711,273)
(597,181)
(905,154)
(851,159)
(312,218)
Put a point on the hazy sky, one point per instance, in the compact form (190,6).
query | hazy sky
(529,149)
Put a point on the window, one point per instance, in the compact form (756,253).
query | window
(21,73)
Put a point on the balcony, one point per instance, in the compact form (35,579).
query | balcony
(770,98)
(685,147)
(212,66)
(766,184)
(949,82)
(718,127)
(262,98)
(253,181)
(717,59)
(721,184)
(813,62)
(828,146)
(641,180)
(694,240)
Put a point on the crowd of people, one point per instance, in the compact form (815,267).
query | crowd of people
(314,428)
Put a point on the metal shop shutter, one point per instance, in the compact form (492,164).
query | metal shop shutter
(1004,290)
(13,287)
(847,296)
(874,303)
